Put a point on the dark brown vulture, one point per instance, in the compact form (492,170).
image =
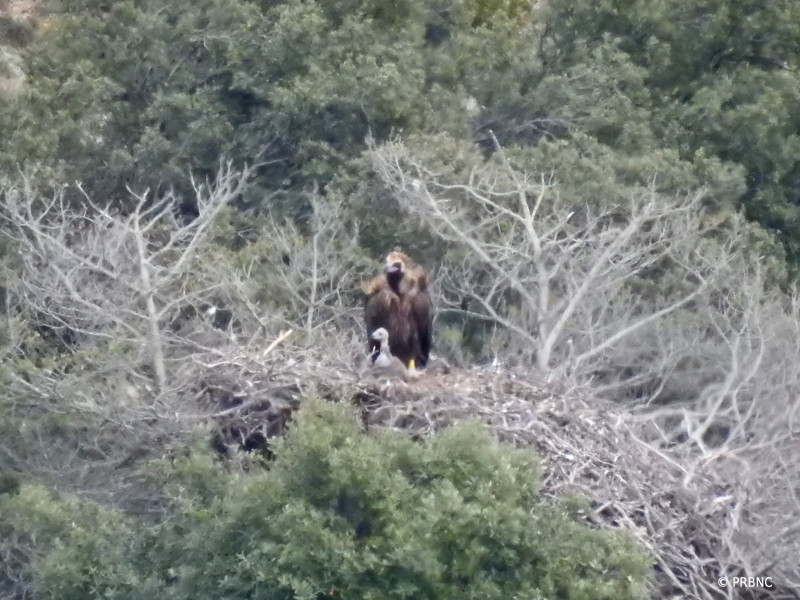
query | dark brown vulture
(399,302)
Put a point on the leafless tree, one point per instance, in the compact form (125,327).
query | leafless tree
(153,323)
(651,295)
(580,290)
(739,425)
(647,294)
(319,268)
(96,272)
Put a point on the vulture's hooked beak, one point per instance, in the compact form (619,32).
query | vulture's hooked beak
(393,267)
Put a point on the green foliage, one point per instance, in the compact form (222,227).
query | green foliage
(304,83)
(611,97)
(381,516)
(717,78)
(58,546)
(381,220)
(307,81)
(338,514)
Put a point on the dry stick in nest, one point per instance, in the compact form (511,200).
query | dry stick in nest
(281,338)
(278,340)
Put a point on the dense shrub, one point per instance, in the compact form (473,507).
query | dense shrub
(339,514)
(58,546)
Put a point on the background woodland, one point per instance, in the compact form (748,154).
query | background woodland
(607,196)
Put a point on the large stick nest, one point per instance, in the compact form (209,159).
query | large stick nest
(587,446)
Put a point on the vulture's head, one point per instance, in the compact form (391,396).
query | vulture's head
(396,266)
(395,263)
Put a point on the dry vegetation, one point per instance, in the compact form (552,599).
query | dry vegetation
(159,336)
(697,522)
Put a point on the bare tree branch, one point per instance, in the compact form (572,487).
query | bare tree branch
(98,273)
(561,278)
